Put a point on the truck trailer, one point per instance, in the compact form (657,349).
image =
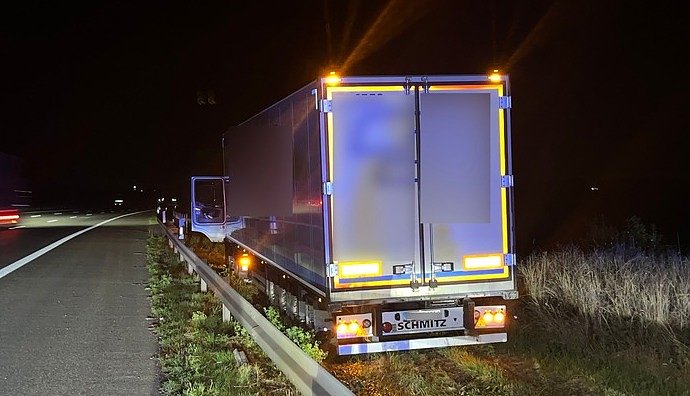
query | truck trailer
(377,208)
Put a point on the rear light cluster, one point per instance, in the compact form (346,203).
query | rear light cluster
(489,317)
(9,216)
(353,326)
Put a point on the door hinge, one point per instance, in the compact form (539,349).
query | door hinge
(326,105)
(507,181)
(505,102)
(425,84)
(328,188)
(332,270)
(509,259)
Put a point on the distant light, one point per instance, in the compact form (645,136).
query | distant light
(495,76)
(332,78)
(11,218)
(174,199)
(594,188)
(119,201)
(134,187)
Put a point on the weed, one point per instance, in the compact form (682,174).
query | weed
(196,346)
(304,338)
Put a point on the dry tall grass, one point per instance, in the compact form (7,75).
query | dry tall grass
(606,295)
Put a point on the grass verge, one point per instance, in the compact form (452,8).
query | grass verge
(615,317)
(214,255)
(597,323)
(197,348)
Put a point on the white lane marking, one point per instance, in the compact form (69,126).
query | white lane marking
(32,216)
(23,261)
(73,217)
(51,221)
(89,214)
(57,213)
(15,227)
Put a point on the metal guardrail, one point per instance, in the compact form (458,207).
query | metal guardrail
(308,376)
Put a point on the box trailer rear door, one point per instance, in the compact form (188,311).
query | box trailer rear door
(417,179)
(372,169)
(463,197)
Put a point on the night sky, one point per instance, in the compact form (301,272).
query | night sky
(98,96)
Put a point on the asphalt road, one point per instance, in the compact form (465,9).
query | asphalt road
(73,321)
(37,229)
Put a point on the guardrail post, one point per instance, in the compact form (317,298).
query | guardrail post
(181,227)
(204,286)
(190,268)
(226,314)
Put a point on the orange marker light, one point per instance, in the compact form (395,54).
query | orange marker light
(495,76)
(488,317)
(499,317)
(332,78)
(244,263)
(353,327)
